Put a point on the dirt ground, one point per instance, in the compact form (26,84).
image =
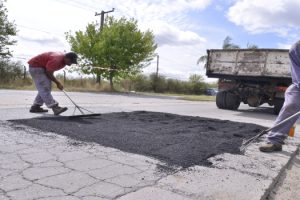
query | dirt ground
(177,140)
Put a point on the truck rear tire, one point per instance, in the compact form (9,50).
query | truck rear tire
(232,101)
(220,99)
(227,100)
(278,103)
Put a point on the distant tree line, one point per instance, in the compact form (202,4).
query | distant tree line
(195,85)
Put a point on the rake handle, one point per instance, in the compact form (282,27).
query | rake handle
(69,97)
(283,121)
(73,101)
(246,143)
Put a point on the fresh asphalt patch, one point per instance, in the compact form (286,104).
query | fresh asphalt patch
(177,140)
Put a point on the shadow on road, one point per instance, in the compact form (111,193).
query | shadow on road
(264,113)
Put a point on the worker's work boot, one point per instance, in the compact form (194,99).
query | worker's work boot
(57,110)
(269,147)
(37,109)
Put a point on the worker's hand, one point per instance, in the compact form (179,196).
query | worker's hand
(59,86)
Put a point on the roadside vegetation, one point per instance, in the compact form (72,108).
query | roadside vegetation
(192,89)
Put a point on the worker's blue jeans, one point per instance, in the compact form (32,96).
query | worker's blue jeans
(291,106)
(43,85)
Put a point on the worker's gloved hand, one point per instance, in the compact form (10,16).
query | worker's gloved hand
(59,86)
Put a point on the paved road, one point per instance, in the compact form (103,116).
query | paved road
(15,104)
(288,187)
(46,166)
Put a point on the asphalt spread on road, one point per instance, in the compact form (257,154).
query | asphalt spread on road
(174,139)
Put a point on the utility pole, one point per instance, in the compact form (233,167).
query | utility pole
(102,16)
(102,13)
(65,78)
(156,82)
(157,65)
(24,74)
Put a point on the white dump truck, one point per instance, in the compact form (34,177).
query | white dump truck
(251,76)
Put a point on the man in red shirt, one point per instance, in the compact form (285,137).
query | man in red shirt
(42,68)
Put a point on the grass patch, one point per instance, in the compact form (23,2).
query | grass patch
(14,87)
(89,85)
(182,96)
(198,98)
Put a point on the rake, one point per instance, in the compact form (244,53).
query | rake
(80,109)
(248,142)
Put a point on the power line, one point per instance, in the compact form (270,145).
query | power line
(76,4)
(124,14)
(177,63)
(21,58)
(85,5)
(171,60)
(40,30)
(170,41)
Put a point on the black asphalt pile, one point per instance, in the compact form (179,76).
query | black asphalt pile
(177,140)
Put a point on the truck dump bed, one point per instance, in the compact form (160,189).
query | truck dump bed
(251,64)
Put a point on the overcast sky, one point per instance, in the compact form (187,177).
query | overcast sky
(184,29)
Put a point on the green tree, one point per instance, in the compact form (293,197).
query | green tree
(7,29)
(197,84)
(227,44)
(121,50)
(196,78)
(202,59)
(251,46)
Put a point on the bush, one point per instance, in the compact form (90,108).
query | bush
(10,71)
(158,84)
(141,83)
(12,75)
(161,84)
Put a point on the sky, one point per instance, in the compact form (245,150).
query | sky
(184,29)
